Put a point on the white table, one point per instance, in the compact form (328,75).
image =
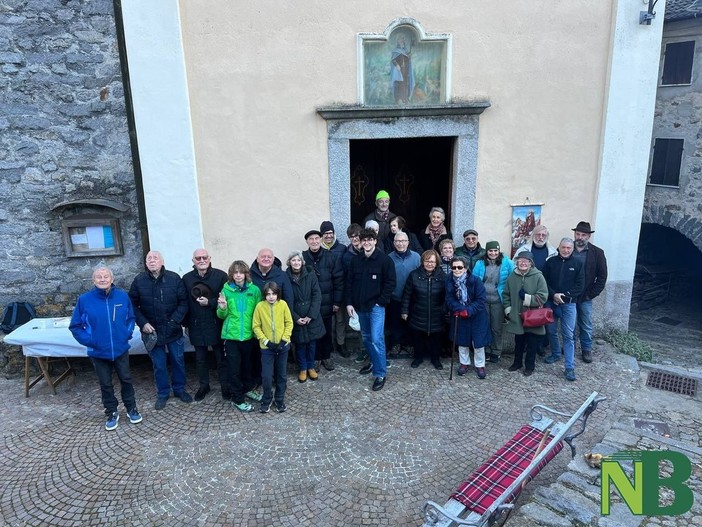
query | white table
(50,340)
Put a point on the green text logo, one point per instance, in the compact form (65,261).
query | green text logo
(642,496)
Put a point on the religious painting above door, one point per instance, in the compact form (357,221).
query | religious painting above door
(403,66)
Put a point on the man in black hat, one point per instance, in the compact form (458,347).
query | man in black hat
(341,319)
(330,275)
(471,249)
(595,265)
(203,284)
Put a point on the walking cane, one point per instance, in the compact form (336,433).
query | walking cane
(453,345)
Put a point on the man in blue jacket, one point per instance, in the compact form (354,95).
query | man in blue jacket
(103,322)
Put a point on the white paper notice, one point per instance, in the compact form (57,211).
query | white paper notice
(96,237)
(79,239)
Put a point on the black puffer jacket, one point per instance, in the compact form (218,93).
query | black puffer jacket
(204,328)
(162,302)
(308,299)
(423,299)
(330,275)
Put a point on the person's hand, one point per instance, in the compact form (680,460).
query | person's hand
(148,328)
(350,311)
(282,346)
(271,345)
(461,314)
(202,301)
(335,309)
(221,301)
(301,322)
(403,317)
(522,293)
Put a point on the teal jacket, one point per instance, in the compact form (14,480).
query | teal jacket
(238,316)
(506,267)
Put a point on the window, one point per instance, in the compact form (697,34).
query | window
(665,168)
(91,235)
(677,63)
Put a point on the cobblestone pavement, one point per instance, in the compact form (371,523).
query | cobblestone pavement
(341,455)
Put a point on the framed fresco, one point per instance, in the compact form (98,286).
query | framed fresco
(524,218)
(403,66)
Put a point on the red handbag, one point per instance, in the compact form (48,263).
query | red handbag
(536,316)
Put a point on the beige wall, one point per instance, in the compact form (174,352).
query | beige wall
(258,70)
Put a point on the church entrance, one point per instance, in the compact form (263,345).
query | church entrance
(415,171)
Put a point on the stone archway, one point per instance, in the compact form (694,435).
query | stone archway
(674,217)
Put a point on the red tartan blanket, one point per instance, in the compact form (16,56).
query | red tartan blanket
(488,482)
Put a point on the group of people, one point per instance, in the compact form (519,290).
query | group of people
(426,289)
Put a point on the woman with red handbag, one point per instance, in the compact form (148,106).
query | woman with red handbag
(525,288)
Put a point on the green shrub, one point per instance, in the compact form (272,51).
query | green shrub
(630,344)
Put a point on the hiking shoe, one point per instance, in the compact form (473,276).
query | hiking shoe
(378,384)
(387,363)
(317,365)
(552,358)
(437,364)
(394,351)
(570,375)
(201,393)
(254,395)
(494,358)
(528,373)
(160,403)
(280,407)
(265,408)
(184,396)
(134,416)
(312,374)
(416,363)
(514,367)
(366,369)
(587,356)
(302,376)
(463,369)
(343,351)
(328,364)
(480,372)
(226,396)
(243,407)
(361,357)
(112,421)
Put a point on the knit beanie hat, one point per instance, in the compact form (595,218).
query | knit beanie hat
(492,245)
(326,226)
(527,255)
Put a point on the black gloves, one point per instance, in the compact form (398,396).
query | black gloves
(522,294)
(282,346)
(271,345)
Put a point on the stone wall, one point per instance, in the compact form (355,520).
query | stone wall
(678,115)
(63,136)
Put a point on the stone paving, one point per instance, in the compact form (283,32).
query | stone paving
(340,455)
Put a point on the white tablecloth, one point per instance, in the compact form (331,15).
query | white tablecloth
(50,337)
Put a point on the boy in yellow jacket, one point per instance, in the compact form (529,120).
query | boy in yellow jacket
(273,325)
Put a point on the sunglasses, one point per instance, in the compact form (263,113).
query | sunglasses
(201,258)
(454,267)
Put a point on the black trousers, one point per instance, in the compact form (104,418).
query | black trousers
(526,344)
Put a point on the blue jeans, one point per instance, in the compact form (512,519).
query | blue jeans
(176,359)
(565,313)
(304,353)
(585,324)
(103,369)
(274,368)
(372,332)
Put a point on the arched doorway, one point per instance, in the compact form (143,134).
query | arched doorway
(668,269)
(415,171)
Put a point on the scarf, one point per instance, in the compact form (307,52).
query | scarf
(461,284)
(330,245)
(435,232)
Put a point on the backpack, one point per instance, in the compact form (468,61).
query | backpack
(16,314)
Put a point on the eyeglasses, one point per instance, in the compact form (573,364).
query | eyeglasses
(455,267)
(201,258)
